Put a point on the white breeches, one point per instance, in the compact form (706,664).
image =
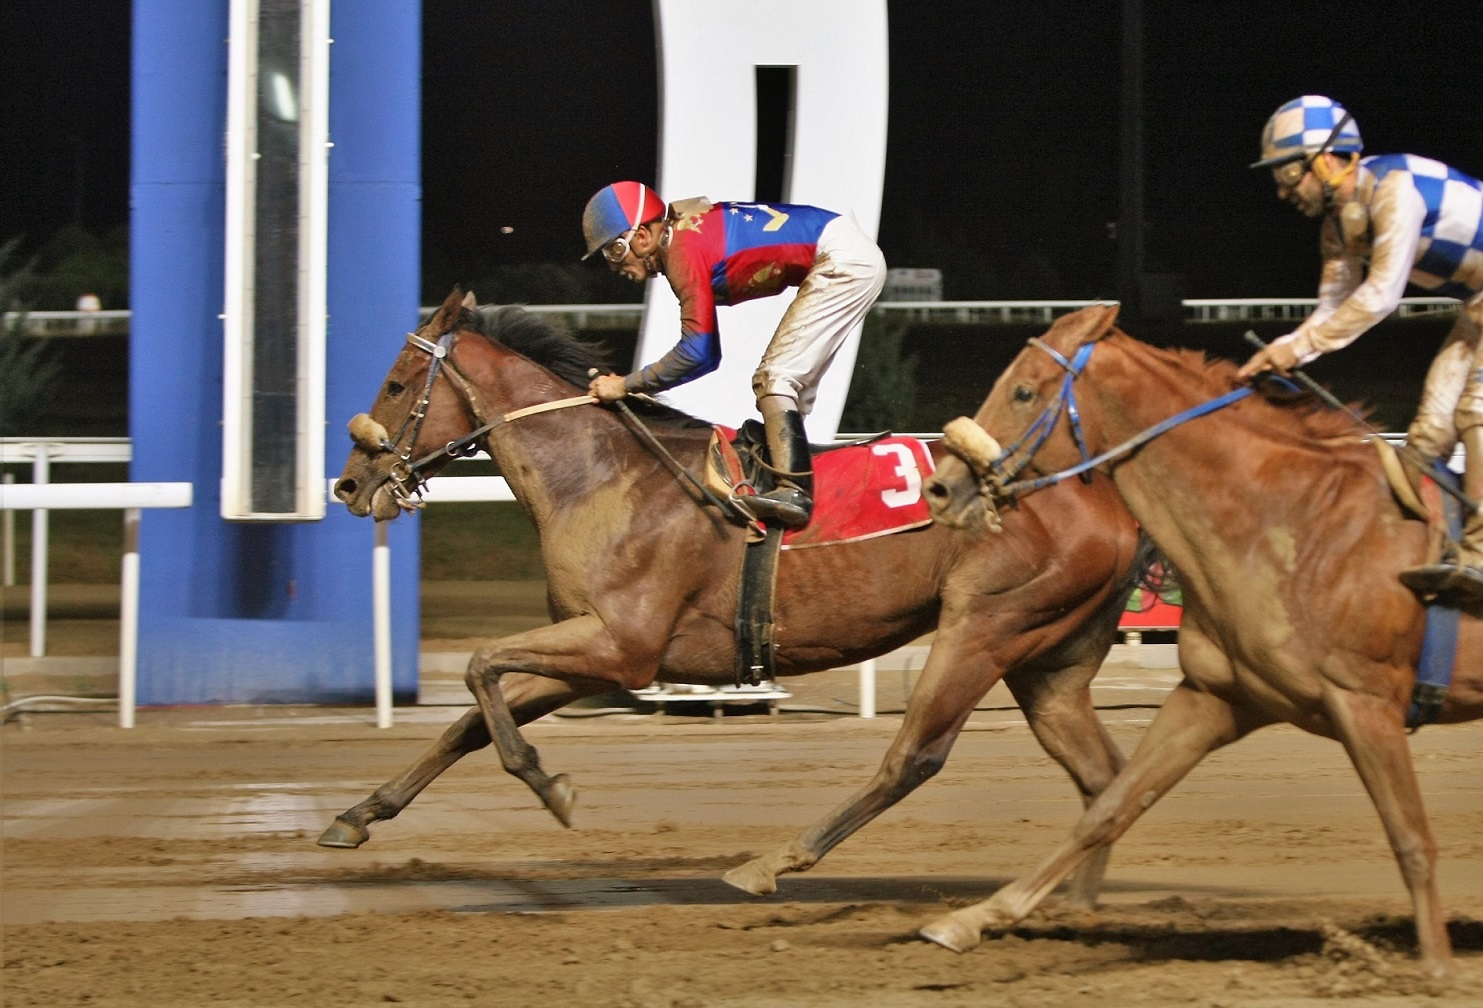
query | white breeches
(1452,399)
(848,274)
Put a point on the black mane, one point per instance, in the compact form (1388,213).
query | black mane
(549,342)
(544,339)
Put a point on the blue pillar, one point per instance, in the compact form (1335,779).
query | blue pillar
(265,613)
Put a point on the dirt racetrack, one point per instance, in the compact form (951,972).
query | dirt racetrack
(175,864)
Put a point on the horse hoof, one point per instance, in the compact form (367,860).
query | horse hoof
(343,834)
(952,934)
(560,797)
(752,877)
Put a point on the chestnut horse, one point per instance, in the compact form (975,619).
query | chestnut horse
(643,578)
(1278,519)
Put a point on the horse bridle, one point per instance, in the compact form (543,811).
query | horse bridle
(997,480)
(407,476)
(1041,427)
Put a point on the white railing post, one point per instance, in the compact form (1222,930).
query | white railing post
(867,688)
(128,617)
(381,623)
(7,523)
(40,473)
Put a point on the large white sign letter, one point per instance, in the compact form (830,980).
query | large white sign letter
(709,55)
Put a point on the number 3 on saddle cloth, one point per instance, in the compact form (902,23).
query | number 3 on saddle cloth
(861,490)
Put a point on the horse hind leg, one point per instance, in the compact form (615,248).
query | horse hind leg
(1371,731)
(1188,727)
(530,697)
(958,672)
(919,750)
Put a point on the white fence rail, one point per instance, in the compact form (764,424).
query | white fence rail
(626,316)
(128,497)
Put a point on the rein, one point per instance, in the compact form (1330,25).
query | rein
(1045,423)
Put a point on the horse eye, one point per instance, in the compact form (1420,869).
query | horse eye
(1024,393)
(395,388)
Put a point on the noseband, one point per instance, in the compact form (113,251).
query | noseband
(998,481)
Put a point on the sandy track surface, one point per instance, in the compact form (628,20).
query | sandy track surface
(175,864)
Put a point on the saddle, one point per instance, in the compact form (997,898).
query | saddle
(862,489)
(1420,495)
(737,466)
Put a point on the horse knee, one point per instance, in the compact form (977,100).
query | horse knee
(921,766)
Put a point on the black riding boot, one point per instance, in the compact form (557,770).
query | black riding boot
(1458,578)
(791,503)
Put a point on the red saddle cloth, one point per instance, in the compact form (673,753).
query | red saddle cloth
(863,491)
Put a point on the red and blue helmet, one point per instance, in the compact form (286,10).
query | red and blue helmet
(1306,127)
(617,211)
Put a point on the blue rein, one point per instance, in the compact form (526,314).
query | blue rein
(1046,422)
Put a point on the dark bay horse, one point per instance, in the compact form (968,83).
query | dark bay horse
(1280,524)
(643,579)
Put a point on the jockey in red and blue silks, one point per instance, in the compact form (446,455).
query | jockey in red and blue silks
(726,253)
(1388,220)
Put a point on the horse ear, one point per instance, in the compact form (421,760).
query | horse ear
(448,311)
(470,302)
(1108,320)
(1089,324)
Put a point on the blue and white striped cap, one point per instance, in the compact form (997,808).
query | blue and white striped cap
(1306,126)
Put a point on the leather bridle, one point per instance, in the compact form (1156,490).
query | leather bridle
(409,476)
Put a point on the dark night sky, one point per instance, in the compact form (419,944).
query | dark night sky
(1003,139)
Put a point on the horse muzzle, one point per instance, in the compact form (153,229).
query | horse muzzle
(963,496)
(374,482)
(972,444)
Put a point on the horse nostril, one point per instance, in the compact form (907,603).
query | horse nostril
(345,488)
(936,489)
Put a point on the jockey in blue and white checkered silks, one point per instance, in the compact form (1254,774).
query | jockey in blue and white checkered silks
(1385,220)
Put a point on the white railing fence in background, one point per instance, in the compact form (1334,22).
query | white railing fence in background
(41,453)
(626,316)
(129,498)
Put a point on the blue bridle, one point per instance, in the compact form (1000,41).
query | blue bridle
(1004,477)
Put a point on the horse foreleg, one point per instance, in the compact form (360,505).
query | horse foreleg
(579,653)
(1058,706)
(942,700)
(1188,726)
(1372,733)
(529,697)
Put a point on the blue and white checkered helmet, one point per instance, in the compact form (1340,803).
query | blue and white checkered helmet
(1306,126)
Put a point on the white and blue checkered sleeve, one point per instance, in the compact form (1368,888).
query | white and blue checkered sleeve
(1397,215)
